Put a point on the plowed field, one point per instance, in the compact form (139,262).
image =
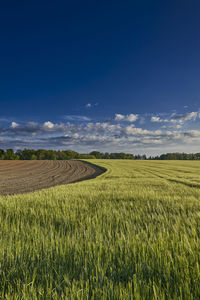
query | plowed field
(27,176)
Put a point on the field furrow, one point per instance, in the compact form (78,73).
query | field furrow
(26,176)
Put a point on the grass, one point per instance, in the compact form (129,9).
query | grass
(132,233)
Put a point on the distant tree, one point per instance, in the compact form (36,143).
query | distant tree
(138,157)
(26,154)
(41,154)
(50,155)
(10,155)
(61,155)
(69,154)
(178,156)
(106,155)
(86,156)
(121,155)
(33,157)
(97,154)
(2,154)
(19,153)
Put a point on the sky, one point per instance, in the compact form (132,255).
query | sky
(111,76)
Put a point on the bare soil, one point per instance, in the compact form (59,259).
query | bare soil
(18,177)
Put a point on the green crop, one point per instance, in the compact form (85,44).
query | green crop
(131,233)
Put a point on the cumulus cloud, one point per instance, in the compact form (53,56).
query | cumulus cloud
(48,125)
(156,119)
(126,118)
(14,125)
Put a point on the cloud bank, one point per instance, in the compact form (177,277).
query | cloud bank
(177,118)
(122,133)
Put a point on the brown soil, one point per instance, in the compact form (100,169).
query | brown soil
(27,176)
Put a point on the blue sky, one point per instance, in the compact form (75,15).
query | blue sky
(100,75)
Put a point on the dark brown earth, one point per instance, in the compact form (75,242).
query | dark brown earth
(27,176)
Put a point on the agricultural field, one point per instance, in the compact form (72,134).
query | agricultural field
(131,233)
(27,176)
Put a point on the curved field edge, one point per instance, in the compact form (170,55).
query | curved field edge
(19,177)
(94,165)
(127,234)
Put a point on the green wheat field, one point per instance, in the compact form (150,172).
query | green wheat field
(131,233)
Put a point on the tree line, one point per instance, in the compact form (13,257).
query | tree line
(42,154)
(178,156)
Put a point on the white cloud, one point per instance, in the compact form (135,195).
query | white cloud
(48,125)
(119,117)
(126,118)
(156,119)
(132,118)
(180,118)
(75,135)
(88,105)
(14,125)
(133,131)
(177,118)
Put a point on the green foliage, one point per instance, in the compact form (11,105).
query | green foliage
(131,233)
(121,155)
(97,154)
(42,154)
(2,152)
(107,155)
(179,156)
(10,155)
